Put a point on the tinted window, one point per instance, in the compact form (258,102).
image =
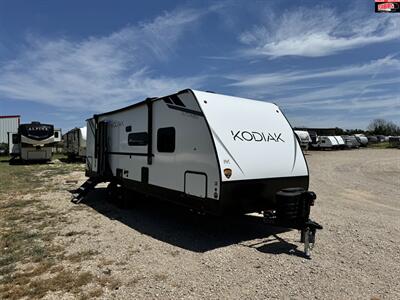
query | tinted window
(176,100)
(56,134)
(167,100)
(36,131)
(166,139)
(137,139)
(15,138)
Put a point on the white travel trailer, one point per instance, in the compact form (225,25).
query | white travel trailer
(362,139)
(351,141)
(74,142)
(341,144)
(209,152)
(13,149)
(33,142)
(304,138)
(326,142)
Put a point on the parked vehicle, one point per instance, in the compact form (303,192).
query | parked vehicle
(303,138)
(381,138)
(74,143)
(394,141)
(313,136)
(3,149)
(214,153)
(326,142)
(373,139)
(33,142)
(362,139)
(340,142)
(351,141)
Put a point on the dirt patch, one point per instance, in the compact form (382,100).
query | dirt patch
(34,261)
(54,249)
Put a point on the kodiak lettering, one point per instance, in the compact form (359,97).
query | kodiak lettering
(248,136)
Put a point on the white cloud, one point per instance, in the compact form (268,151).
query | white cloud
(317,32)
(354,93)
(386,64)
(362,103)
(347,91)
(345,113)
(98,73)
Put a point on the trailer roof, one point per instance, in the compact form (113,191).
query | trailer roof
(143,102)
(12,116)
(126,107)
(152,99)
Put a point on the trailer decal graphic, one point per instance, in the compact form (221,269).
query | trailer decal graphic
(226,149)
(256,136)
(115,123)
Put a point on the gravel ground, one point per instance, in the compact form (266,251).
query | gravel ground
(156,250)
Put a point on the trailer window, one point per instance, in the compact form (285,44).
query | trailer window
(137,139)
(176,100)
(167,100)
(166,139)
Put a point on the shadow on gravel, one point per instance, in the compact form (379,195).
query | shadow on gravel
(279,246)
(191,231)
(68,160)
(33,162)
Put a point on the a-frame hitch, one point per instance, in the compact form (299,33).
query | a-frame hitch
(293,207)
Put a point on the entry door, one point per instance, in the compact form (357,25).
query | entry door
(196,184)
(102,149)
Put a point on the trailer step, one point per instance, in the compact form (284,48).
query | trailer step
(80,193)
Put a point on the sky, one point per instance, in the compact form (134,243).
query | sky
(325,63)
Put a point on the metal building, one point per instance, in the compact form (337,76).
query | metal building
(8,124)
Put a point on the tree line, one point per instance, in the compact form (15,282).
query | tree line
(376,127)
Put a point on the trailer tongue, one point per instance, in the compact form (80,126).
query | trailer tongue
(293,211)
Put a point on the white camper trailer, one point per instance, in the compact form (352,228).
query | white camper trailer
(57,135)
(341,144)
(304,138)
(210,152)
(13,149)
(351,141)
(326,142)
(33,142)
(362,139)
(74,142)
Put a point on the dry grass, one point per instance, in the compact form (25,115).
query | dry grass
(65,281)
(108,282)
(81,256)
(105,262)
(95,293)
(135,280)
(74,233)
(31,264)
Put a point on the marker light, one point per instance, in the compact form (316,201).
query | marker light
(228,173)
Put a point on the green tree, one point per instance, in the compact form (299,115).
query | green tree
(383,127)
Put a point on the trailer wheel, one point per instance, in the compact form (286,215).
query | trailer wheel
(111,191)
(118,195)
